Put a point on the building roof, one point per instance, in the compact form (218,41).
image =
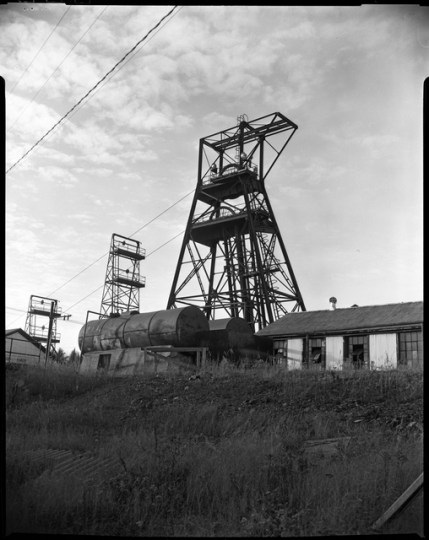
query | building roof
(346,319)
(26,336)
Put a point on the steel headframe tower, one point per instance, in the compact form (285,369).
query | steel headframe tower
(41,322)
(227,263)
(122,285)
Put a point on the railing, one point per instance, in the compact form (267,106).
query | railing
(41,332)
(133,249)
(44,306)
(223,213)
(211,176)
(129,276)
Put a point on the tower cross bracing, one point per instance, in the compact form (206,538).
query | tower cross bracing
(233,261)
(123,282)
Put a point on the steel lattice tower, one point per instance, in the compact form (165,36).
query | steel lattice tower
(233,260)
(122,285)
(41,322)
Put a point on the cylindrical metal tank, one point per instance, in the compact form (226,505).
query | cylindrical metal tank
(136,330)
(225,334)
(237,333)
(102,334)
(175,327)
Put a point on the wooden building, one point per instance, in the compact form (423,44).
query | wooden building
(21,348)
(369,337)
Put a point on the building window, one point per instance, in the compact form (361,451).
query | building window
(356,351)
(410,345)
(280,350)
(316,351)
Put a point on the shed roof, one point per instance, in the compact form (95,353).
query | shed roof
(346,319)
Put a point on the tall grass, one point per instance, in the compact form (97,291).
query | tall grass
(56,381)
(194,471)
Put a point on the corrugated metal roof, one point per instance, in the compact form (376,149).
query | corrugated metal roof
(345,319)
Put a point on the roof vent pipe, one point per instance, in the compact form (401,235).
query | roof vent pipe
(333,302)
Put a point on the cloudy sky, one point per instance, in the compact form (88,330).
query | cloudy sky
(347,191)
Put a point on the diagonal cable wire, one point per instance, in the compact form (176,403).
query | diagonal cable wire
(94,87)
(101,286)
(37,54)
(166,210)
(158,24)
(14,321)
(138,230)
(81,272)
(56,69)
(57,126)
(117,71)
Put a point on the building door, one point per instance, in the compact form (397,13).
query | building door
(382,351)
(316,351)
(334,352)
(294,353)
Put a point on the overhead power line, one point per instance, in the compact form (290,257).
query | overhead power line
(37,54)
(14,321)
(57,68)
(134,233)
(159,215)
(81,272)
(89,266)
(98,288)
(93,88)
(15,309)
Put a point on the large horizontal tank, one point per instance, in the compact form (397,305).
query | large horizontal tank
(224,334)
(176,327)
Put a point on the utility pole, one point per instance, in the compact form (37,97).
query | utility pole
(51,321)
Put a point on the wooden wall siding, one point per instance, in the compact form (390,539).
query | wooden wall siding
(18,350)
(383,351)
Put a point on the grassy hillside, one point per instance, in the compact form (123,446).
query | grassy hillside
(222,454)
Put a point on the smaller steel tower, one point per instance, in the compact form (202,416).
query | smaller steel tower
(122,285)
(41,323)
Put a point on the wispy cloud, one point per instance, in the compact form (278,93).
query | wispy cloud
(351,79)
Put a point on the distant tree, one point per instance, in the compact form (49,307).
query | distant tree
(74,358)
(60,356)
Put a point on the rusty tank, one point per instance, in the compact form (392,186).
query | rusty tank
(176,327)
(225,334)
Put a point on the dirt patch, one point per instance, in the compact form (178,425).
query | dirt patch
(137,398)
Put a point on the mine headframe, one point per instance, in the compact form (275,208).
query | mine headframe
(123,281)
(233,261)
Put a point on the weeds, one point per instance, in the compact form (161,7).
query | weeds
(194,471)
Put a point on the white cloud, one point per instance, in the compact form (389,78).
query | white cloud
(132,149)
